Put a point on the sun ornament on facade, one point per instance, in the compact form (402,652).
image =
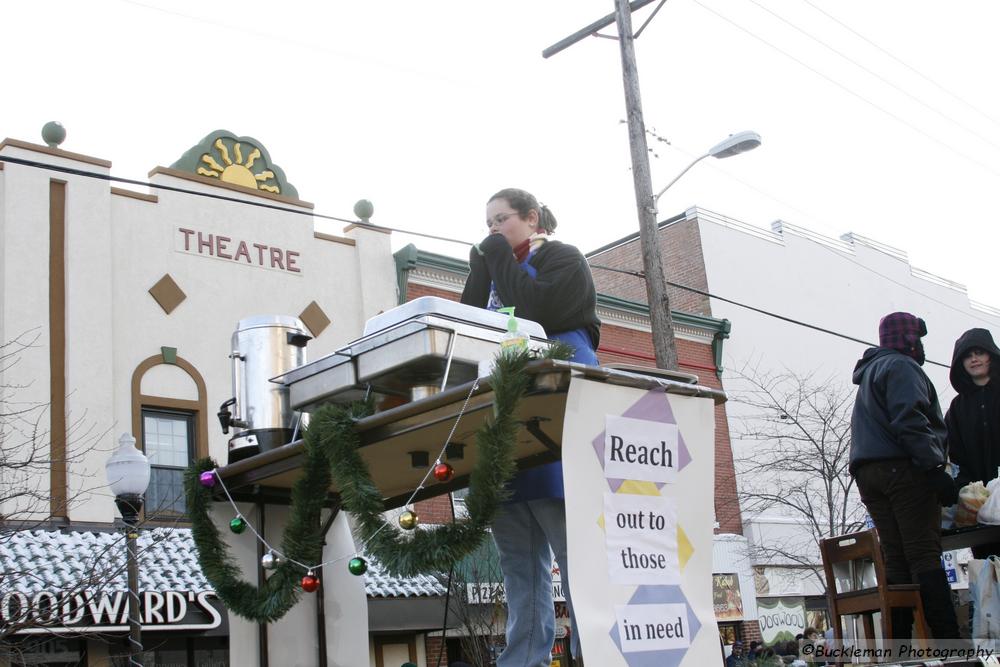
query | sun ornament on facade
(236,160)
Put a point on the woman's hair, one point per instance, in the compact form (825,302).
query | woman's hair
(524,202)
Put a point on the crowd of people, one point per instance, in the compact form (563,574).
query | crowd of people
(792,652)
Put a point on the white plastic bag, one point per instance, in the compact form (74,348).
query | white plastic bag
(989,513)
(984,589)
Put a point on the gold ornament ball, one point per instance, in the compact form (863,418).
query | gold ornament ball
(408,520)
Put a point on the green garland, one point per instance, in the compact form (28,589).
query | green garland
(331,454)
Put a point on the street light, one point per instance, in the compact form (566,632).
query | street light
(128,477)
(741,142)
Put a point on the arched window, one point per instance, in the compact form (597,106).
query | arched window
(169,421)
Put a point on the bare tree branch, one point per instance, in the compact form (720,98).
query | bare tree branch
(794,463)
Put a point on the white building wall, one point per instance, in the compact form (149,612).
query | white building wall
(730,554)
(844,286)
(828,283)
(25,315)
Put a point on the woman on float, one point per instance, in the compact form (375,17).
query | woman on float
(549,282)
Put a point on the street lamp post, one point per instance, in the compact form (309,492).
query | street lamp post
(128,477)
(734,144)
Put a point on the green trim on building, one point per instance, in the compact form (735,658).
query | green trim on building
(222,150)
(169,355)
(717,339)
(410,257)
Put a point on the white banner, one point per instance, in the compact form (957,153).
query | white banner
(638,468)
(639,449)
(641,539)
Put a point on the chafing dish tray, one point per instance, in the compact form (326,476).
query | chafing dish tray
(426,343)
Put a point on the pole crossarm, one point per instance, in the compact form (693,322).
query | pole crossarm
(583,33)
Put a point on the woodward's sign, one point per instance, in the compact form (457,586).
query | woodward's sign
(241,251)
(87,611)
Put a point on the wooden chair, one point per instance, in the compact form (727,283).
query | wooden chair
(846,560)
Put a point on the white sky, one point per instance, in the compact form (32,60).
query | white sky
(427,108)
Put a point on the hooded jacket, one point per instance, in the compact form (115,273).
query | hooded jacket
(896,412)
(973,418)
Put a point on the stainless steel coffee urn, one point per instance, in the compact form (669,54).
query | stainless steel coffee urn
(263,347)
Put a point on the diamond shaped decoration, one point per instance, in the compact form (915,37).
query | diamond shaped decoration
(167,293)
(315,319)
(663,658)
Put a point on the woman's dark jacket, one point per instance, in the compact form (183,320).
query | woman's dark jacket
(561,297)
(973,418)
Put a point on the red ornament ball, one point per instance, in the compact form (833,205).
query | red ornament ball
(310,583)
(443,472)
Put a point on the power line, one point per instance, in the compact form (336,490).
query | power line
(783,318)
(876,75)
(903,63)
(850,91)
(208,195)
(368,225)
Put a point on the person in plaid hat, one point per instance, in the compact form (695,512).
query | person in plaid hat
(898,456)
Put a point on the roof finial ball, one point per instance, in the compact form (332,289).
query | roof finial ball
(53,133)
(364,209)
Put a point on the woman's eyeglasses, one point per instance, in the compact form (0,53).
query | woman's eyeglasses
(498,220)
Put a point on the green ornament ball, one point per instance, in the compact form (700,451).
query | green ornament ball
(53,133)
(364,209)
(238,525)
(357,566)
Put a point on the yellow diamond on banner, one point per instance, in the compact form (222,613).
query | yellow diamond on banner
(600,521)
(684,548)
(638,488)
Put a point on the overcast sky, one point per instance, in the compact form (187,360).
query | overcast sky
(877,117)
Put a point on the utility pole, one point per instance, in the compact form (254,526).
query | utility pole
(660,318)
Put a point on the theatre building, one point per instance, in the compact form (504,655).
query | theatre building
(117,308)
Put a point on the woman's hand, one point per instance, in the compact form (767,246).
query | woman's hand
(494,243)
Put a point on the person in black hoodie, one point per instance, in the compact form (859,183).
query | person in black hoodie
(973,419)
(898,454)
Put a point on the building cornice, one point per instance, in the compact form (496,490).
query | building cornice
(55,152)
(216,183)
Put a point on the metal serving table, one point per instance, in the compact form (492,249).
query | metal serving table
(388,437)
(423,346)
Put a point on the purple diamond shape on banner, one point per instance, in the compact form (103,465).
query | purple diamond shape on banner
(653,407)
(657,595)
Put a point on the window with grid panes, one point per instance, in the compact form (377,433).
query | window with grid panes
(168,439)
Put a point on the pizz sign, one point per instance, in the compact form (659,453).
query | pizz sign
(88,611)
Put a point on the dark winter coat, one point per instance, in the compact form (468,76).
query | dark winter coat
(561,297)
(973,418)
(896,412)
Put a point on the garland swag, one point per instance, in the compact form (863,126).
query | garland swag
(331,455)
